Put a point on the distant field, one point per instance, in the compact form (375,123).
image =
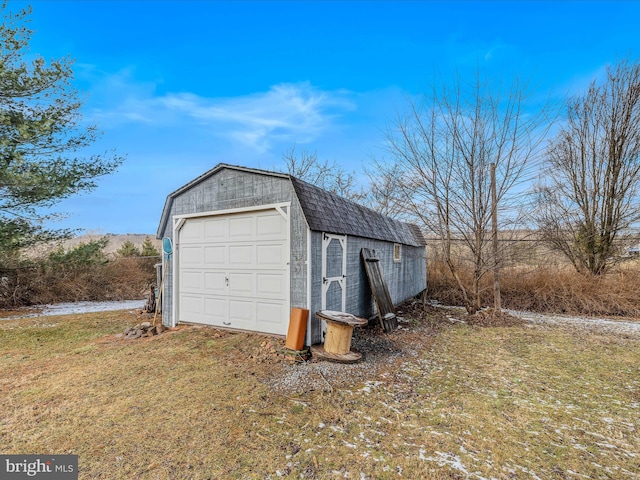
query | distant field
(115,241)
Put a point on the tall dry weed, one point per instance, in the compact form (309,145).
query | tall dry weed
(549,289)
(118,279)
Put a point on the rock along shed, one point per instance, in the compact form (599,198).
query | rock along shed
(248,245)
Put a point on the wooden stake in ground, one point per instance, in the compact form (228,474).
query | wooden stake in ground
(497,300)
(167,249)
(159,299)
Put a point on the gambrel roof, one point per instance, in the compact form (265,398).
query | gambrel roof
(324,211)
(328,212)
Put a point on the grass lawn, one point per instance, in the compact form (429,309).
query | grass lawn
(474,402)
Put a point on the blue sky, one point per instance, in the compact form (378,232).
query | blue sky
(180,86)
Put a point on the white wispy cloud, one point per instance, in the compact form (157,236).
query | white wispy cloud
(296,112)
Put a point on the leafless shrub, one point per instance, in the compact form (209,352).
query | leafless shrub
(549,289)
(118,279)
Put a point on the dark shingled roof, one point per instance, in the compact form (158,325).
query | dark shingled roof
(324,211)
(327,212)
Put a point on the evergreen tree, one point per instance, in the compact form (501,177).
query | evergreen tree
(42,138)
(149,249)
(128,249)
(83,255)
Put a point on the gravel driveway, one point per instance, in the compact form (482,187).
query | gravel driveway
(607,325)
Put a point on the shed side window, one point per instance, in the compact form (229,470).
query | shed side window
(397,252)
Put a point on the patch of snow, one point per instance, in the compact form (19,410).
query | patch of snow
(455,320)
(80,307)
(605,445)
(530,472)
(449,459)
(571,472)
(369,385)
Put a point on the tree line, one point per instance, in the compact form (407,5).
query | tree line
(474,158)
(470,160)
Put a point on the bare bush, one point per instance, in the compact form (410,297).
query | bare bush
(38,283)
(553,289)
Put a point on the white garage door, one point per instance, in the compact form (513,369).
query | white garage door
(234,271)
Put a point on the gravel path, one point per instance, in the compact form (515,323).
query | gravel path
(607,325)
(622,326)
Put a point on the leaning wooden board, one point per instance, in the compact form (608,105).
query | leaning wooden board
(386,311)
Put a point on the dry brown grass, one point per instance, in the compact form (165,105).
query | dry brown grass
(120,279)
(550,289)
(508,402)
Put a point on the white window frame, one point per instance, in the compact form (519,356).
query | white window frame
(397,248)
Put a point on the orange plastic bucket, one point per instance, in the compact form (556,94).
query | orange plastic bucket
(297,328)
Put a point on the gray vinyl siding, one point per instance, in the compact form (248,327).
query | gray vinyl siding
(315,328)
(229,189)
(405,279)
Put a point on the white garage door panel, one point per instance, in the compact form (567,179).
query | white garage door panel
(242,311)
(241,228)
(191,308)
(268,226)
(191,256)
(270,285)
(271,314)
(241,255)
(215,256)
(269,256)
(191,281)
(215,311)
(216,229)
(215,283)
(242,284)
(234,271)
(192,232)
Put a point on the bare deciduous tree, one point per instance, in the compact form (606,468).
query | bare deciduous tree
(444,149)
(386,193)
(590,191)
(324,174)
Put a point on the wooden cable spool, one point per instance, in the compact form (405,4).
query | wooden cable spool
(337,342)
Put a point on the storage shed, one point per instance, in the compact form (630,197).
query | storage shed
(248,245)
